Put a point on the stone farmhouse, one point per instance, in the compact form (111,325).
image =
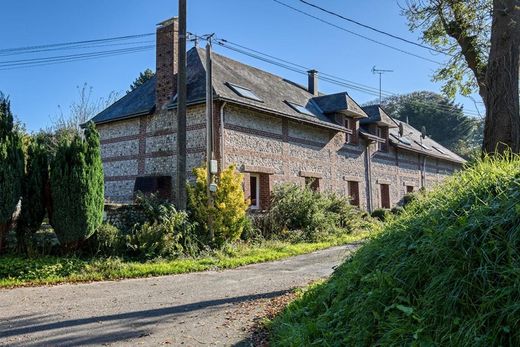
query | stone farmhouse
(273,129)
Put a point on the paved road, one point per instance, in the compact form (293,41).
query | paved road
(207,308)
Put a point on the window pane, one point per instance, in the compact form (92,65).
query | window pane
(253,184)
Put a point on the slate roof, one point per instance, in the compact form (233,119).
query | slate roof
(378,116)
(274,91)
(339,103)
(138,102)
(413,136)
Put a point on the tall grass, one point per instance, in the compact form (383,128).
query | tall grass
(446,272)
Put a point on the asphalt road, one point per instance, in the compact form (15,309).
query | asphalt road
(206,308)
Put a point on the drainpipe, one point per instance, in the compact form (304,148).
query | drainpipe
(222,161)
(423,172)
(368,176)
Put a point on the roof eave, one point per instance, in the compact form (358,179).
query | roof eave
(429,154)
(128,116)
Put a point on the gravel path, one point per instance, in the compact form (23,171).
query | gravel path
(207,308)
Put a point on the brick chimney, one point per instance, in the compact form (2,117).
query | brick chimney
(313,82)
(166,65)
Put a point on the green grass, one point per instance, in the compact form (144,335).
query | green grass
(17,271)
(444,273)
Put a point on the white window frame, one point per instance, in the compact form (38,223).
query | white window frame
(257,205)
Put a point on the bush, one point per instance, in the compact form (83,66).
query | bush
(11,167)
(299,214)
(380,213)
(170,236)
(108,241)
(77,188)
(443,273)
(229,211)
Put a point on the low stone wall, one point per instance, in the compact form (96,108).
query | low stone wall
(122,216)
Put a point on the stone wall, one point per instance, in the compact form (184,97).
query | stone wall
(287,151)
(146,146)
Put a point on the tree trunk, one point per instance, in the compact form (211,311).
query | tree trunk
(502,125)
(3,234)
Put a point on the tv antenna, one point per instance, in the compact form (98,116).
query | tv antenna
(380,72)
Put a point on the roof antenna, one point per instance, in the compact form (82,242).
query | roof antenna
(380,72)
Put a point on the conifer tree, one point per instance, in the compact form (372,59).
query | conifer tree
(11,168)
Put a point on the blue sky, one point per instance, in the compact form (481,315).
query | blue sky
(264,25)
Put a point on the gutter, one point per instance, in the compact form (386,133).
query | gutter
(222,152)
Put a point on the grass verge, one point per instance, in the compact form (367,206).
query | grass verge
(18,271)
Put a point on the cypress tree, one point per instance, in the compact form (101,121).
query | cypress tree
(11,168)
(77,188)
(34,189)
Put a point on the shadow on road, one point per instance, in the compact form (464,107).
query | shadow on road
(50,330)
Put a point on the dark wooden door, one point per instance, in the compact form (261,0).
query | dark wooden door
(385,196)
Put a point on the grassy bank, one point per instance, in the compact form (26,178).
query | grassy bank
(17,271)
(446,272)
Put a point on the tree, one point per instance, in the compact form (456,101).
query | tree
(35,188)
(444,120)
(482,37)
(228,212)
(77,188)
(80,111)
(143,77)
(11,168)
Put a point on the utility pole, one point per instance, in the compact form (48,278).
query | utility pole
(380,73)
(181,110)
(210,162)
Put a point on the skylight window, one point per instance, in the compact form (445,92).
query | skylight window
(439,150)
(244,92)
(299,108)
(423,145)
(402,139)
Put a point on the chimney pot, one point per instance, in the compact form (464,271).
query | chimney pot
(313,82)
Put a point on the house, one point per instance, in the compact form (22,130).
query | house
(274,130)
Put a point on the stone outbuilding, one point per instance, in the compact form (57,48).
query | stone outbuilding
(274,130)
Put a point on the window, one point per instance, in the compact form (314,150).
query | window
(382,133)
(350,123)
(422,145)
(254,189)
(402,139)
(299,108)
(439,150)
(385,195)
(353,192)
(244,92)
(409,189)
(313,183)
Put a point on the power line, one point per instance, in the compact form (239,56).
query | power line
(373,28)
(110,39)
(324,77)
(356,34)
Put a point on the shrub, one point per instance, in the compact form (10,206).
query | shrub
(443,273)
(108,240)
(11,167)
(298,213)
(229,210)
(36,179)
(380,213)
(170,236)
(77,188)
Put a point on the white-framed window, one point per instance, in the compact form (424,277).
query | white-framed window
(254,189)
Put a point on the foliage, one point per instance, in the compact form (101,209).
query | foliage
(300,214)
(141,79)
(170,236)
(36,181)
(77,188)
(380,213)
(444,120)
(108,241)
(443,273)
(11,168)
(228,212)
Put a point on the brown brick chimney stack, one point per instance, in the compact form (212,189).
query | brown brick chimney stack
(166,64)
